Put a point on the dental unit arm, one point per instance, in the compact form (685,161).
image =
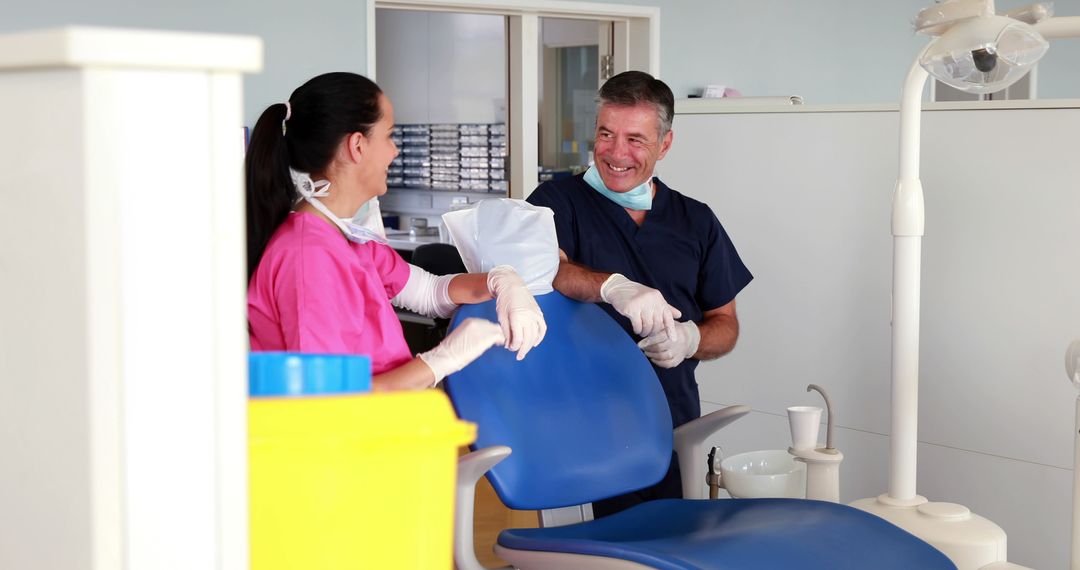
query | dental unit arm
(830,418)
(690,446)
(822,463)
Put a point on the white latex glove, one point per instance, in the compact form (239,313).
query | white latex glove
(646,308)
(520,317)
(462,346)
(666,352)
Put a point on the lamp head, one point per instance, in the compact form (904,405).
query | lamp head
(1072,363)
(984,54)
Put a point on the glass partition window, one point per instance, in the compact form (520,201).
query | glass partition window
(571,55)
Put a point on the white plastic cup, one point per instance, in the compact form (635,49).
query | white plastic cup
(805,422)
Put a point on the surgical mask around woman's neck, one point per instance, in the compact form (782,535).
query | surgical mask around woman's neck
(368,221)
(364,227)
(637,198)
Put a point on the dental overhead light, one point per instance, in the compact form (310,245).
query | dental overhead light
(978,51)
(985,54)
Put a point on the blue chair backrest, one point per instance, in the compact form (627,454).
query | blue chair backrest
(584,413)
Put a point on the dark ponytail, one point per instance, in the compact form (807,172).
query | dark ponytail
(324,111)
(270,192)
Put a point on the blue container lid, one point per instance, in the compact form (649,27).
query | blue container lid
(296,374)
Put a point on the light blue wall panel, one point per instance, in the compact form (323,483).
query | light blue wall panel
(828,51)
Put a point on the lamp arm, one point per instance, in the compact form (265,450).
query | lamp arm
(910,109)
(1059,27)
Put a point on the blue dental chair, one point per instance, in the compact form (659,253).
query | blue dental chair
(586,419)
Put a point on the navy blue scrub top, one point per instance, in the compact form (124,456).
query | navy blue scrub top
(681,249)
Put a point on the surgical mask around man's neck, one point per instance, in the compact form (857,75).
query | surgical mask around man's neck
(369,228)
(637,198)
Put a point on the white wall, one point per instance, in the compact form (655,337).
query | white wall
(809,50)
(806,198)
(828,51)
(300,40)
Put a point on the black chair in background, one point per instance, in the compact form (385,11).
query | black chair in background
(438,259)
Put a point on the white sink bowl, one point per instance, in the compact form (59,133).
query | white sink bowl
(766,473)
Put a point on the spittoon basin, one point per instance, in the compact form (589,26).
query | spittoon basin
(765,473)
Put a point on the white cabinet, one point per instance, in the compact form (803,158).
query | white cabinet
(442,67)
(123,336)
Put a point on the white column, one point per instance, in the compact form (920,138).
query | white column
(524,32)
(122,323)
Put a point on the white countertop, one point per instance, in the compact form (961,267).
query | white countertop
(401,240)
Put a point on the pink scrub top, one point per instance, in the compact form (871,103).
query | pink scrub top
(315,291)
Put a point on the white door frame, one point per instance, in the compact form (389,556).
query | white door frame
(637,37)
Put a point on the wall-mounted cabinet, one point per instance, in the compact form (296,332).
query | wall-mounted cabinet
(442,67)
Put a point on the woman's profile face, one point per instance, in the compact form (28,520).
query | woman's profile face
(378,150)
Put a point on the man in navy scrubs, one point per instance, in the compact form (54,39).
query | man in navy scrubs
(660,262)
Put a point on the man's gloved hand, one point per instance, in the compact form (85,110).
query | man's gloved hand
(462,346)
(646,308)
(522,321)
(666,352)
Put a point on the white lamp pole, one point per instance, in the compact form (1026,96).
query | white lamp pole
(908,224)
(969,540)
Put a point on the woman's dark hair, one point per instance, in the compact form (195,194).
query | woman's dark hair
(323,111)
(633,87)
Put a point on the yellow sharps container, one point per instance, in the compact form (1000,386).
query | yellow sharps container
(342,480)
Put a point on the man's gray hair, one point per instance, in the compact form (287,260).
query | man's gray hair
(631,88)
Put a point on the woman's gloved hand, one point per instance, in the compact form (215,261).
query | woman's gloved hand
(463,345)
(646,308)
(522,321)
(666,352)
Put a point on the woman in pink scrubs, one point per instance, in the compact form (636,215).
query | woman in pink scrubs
(319,283)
